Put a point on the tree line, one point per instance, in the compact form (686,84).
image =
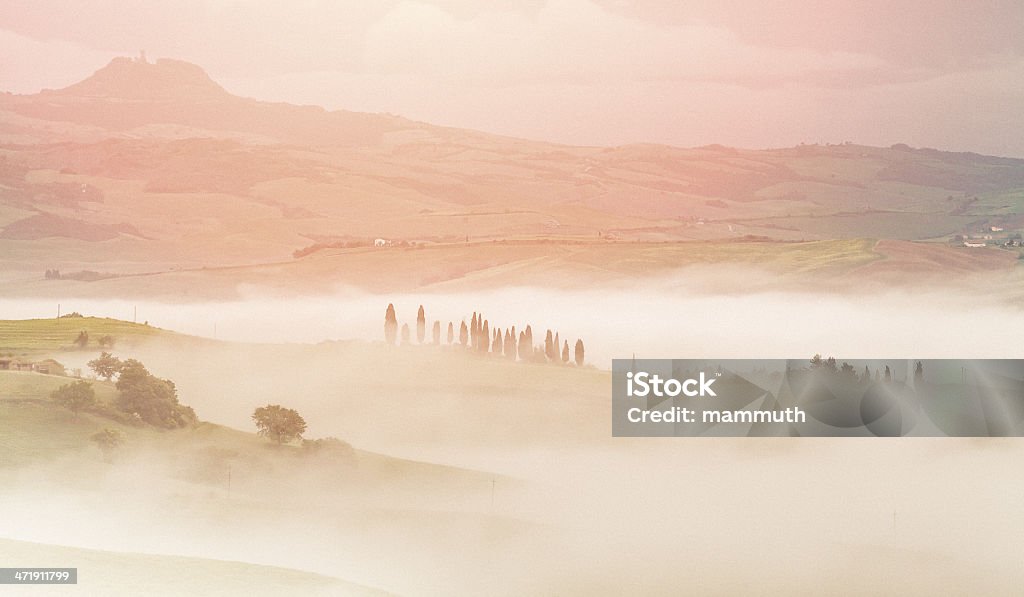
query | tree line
(478,336)
(849,372)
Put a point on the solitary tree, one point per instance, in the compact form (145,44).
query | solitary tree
(579,352)
(153,400)
(280,424)
(75,396)
(436,332)
(390,325)
(82,340)
(106,365)
(421,326)
(451,333)
(108,441)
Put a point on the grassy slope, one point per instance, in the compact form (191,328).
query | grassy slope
(35,336)
(109,573)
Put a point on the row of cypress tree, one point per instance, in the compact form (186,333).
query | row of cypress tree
(478,336)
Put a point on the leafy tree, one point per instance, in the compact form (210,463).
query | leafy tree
(451,333)
(436,332)
(579,352)
(75,396)
(565,352)
(390,325)
(106,341)
(280,424)
(82,340)
(919,372)
(106,365)
(421,326)
(153,400)
(109,441)
(816,361)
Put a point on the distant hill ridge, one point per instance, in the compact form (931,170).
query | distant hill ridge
(138,79)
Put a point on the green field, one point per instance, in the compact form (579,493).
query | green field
(48,336)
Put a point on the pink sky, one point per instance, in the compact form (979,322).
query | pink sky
(754,74)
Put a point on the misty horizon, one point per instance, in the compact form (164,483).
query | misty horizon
(583,72)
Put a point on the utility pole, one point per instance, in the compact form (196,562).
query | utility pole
(58,310)
(135,313)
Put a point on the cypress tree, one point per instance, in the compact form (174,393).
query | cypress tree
(390,325)
(524,346)
(510,345)
(421,326)
(451,333)
(565,352)
(485,337)
(472,331)
(497,346)
(437,332)
(405,334)
(463,334)
(579,352)
(549,349)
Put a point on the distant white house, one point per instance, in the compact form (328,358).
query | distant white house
(968,243)
(380,242)
(996,229)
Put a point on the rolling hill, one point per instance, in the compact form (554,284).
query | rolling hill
(153,168)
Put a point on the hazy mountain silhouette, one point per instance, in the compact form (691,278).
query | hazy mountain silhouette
(128,93)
